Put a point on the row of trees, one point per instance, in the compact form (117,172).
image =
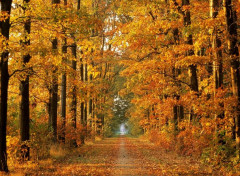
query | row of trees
(47,46)
(182,65)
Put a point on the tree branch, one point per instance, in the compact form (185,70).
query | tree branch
(16,71)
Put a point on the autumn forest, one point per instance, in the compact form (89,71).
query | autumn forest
(119,87)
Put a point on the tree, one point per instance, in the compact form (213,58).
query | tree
(231,21)
(74,93)
(217,58)
(64,86)
(24,90)
(189,41)
(74,88)
(54,87)
(216,45)
(4,29)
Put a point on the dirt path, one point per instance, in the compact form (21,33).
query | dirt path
(120,157)
(141,158)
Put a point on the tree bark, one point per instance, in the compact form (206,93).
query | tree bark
(74,90)
(192,69)
(82,137)
(86,102)
(54,103)
(63,94)
(4,29)
(231,21)
(54,89)
(82,106)
(90,107)
(82,122)
(74,94)
(178,110)
(217,62)
(24,91)
(189,41)
(216,45)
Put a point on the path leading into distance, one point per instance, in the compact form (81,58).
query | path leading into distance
(121,157)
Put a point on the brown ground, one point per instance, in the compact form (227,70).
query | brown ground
(117,157)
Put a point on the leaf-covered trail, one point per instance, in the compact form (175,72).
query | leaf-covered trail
(120,156)
(136,157)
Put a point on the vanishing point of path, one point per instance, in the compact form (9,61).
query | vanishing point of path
(122,157)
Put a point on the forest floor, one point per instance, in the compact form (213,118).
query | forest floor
(117,156)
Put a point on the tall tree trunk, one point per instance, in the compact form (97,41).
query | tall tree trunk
(63,93)
(74,94)
(231,21)
(90,108)
(24,91)
(64,88)
(4,29)
(192,70)
(74,89)
(216,45)
(217,60)
(178,110)
(82,106)
(86,103)
(189,41)
(54,103)
(54,89)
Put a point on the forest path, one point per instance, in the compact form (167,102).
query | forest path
(136,157)
(120,156)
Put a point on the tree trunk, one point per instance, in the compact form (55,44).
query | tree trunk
(4,29)
(74,94)
(177,109)
(63,94)
(231,21)
(81,69)
(48,106)
(90,102)
(192,69)
(91,117)
(82,107)
(54,103)
(216,45)
(54,89)
(82,122)
(217,62)
(85,127)
(189,41)
(54,96)
(24,91)
(175,119)
(78,4)
(90,107)
(86,102)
